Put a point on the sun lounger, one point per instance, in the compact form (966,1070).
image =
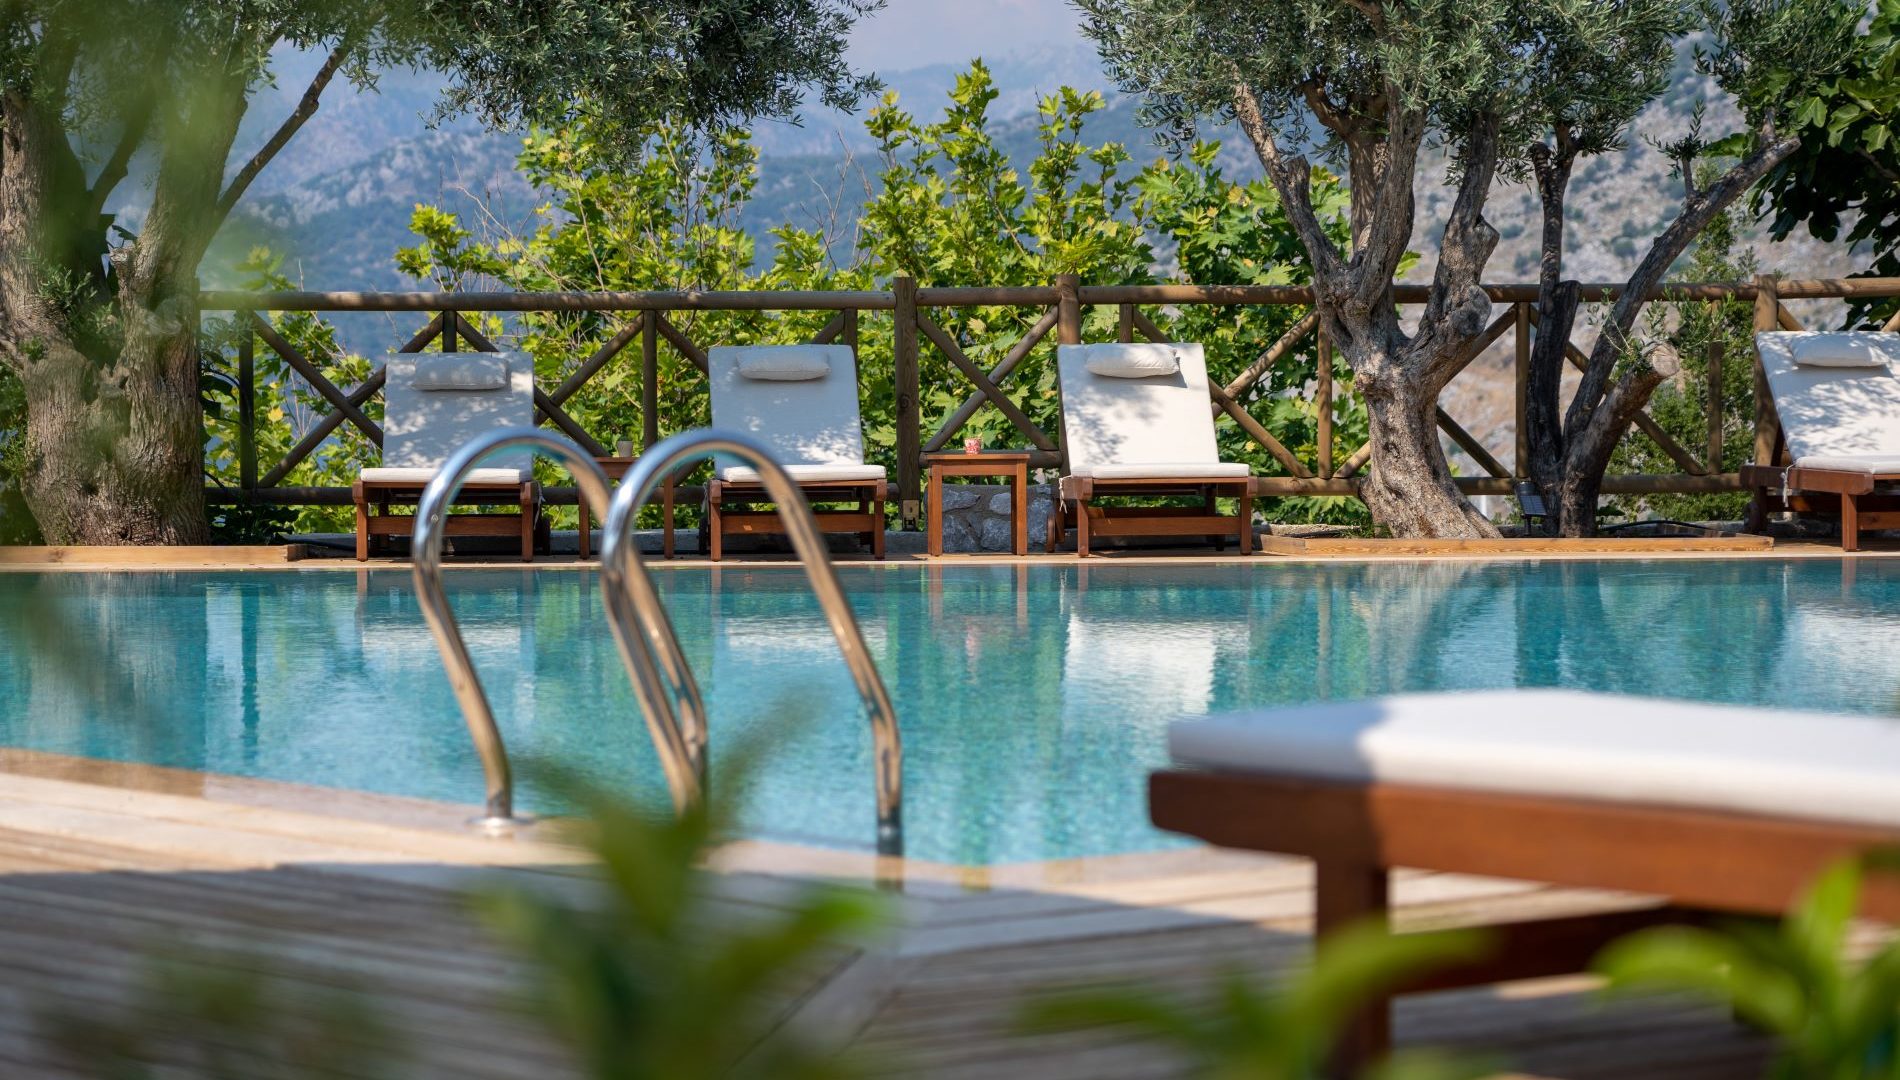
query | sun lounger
(802,402)
(1837,448)
(434,403)
(1713,809)
(1136,422)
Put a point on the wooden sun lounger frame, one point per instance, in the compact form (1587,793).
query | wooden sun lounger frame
(732,509)
(1861,500)
(1076,509)
(374,522)
(1702,862)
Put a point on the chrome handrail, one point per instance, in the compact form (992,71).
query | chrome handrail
(662,680)
(633,600)
(426,554)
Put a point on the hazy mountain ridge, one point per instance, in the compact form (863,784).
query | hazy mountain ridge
(339,201)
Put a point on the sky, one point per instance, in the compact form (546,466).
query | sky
(916,33)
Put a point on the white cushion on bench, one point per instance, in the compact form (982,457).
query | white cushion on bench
(1160,422)
(1574,745)
(389,475)
(1831,412)
(1171,470)
(1867,464)
(802,422)
(806,474)
(422,429)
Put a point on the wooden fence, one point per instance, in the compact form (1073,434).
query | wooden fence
(914,327)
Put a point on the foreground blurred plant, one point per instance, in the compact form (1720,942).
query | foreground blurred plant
(1285,1033)
(657,981)
(651,977)
(1832,1016)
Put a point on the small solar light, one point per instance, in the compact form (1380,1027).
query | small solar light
(1530,503)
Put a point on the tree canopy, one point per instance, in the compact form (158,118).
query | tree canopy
(1844,182)
(1503,90)
(98,322)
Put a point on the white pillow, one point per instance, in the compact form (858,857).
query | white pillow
(460,371)
(1851,349)
(783,363)
(1133,361)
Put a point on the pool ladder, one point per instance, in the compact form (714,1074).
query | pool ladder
(663,682)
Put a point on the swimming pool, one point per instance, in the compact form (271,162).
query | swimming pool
(1032,699)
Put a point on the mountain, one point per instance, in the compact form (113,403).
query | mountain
(338,201)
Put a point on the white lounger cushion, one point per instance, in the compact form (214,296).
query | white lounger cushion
(807,474)
(423,428)
(1574,745)
(1840,416)
(1868,464)
(423,476)
(1132,360)
(784,363)
(803,422)
(1162,422)
(1165,470)
(1846,349)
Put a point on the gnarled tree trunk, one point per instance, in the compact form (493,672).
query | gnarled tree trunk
(106,347)
(115,448)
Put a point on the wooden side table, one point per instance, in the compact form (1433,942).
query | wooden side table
(616,470)
(1012,465)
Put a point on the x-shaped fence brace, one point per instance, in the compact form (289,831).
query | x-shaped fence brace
(651,326)
(647,326)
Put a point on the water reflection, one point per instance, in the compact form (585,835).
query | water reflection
(1033,699)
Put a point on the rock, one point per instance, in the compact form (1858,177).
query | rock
(1040,510)
(999,503)
(959,497)
(958,536)
(995,535)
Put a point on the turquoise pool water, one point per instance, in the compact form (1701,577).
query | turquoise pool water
(1033,700)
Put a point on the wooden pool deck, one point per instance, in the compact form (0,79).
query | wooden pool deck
(328,890)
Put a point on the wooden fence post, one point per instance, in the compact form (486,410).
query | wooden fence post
(649,381)
(1767,317)
(909,420)
(1714,373)
(1068,309)
(247,404)
(1521,460)
(1323,404)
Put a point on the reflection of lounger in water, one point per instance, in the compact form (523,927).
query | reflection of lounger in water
(1176,659)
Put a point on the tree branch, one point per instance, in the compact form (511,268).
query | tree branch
(1392,207)
(1879,166)
(1292,178)
(114,170)
(1457,305)
(1587,452)
(306,108)
(1663,253)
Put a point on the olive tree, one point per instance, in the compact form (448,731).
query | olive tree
(1389,88)
(98,320)
(1765,56)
